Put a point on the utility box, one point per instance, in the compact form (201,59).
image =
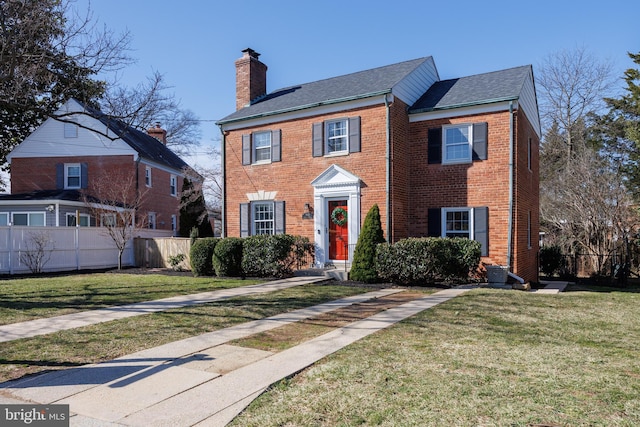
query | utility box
(497,274)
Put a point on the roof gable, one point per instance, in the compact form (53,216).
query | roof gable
(362,84)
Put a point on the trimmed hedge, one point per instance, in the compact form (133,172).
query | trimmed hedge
(201,255)
(266,255)
(227,257)
(427,260)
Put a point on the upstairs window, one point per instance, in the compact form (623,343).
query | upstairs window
(173,186)
(261,147)
(147,176)
(456,144)
(72,175)
(340,136)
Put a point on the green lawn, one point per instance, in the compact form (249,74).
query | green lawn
(487,358)
(24,299)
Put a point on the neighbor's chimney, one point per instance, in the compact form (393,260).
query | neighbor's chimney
(251,78)
(158,133)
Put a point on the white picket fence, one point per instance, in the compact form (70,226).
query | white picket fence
(70,248)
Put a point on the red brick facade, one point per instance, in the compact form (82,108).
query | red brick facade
(31,174)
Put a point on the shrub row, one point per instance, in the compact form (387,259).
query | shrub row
(256,256)
(427,260)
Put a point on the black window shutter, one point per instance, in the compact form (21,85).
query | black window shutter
(434,222)
(480,136)
(84,175)
(245,222)
(246,149)
(280,216)
(276,146)
(59,176)
(481,228)
(318,140)
(434,150)
(354,134)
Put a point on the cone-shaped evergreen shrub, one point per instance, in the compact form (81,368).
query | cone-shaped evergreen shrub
(363,268)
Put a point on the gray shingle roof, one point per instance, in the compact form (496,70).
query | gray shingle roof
(351,86)
(473,90)
(145,145)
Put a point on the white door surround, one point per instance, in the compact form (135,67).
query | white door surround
(334,183)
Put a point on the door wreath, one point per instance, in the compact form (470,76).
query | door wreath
(339,216)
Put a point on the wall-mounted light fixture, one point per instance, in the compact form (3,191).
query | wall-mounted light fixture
(308,211)
(51,208)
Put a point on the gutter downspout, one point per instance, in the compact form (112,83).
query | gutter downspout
(511,170)
(223,202)
(388,160)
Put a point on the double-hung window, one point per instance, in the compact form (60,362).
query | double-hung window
(173,185)
(72,175)
(262,146)
(147,176)
(466,222)
(457,144)
(262,217)
(152,221)
(457,223)
(337,133)
(336,137)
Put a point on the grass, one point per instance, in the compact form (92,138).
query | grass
(487,358)
(113,339)
(23,299)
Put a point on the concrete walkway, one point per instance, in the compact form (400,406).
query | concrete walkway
(48,325)
(202,380)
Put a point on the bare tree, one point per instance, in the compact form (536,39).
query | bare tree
(38,250)
(114,203)
(571,85)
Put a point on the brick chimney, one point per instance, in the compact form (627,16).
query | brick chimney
(251,78)
(158,133)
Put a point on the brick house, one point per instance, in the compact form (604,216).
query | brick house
(454,157)
(83,154)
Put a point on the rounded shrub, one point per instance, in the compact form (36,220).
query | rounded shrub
(363,268)
(551,260)
(266,255)
(227,257)
(201,255)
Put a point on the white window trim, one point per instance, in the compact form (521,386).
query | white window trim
(28,214)
(81,216)
(326,138)
(254,150)
(469,158)
(67,176)
(443,220)
(147,176)
(173,185)
(253,206)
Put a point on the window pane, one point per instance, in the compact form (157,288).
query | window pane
(263,218)
(4,220)
(20,219)
(262,146)
(457,224)
(36,220)
(73,176)
(457,145)
(337,136)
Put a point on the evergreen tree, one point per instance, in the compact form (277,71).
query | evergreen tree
(193,211)
(364,256)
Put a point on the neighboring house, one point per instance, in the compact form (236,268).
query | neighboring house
(63,165)
(456,158)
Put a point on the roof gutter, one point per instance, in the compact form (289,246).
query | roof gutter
(223,122)
(463,105)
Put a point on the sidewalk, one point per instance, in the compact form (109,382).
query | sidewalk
(202,380)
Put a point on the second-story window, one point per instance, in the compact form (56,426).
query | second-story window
(72,175)
(147,176)
(261,147)
(173,185)
(337,136)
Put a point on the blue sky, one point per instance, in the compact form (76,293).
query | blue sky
(194,43)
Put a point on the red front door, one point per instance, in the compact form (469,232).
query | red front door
(338,230)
